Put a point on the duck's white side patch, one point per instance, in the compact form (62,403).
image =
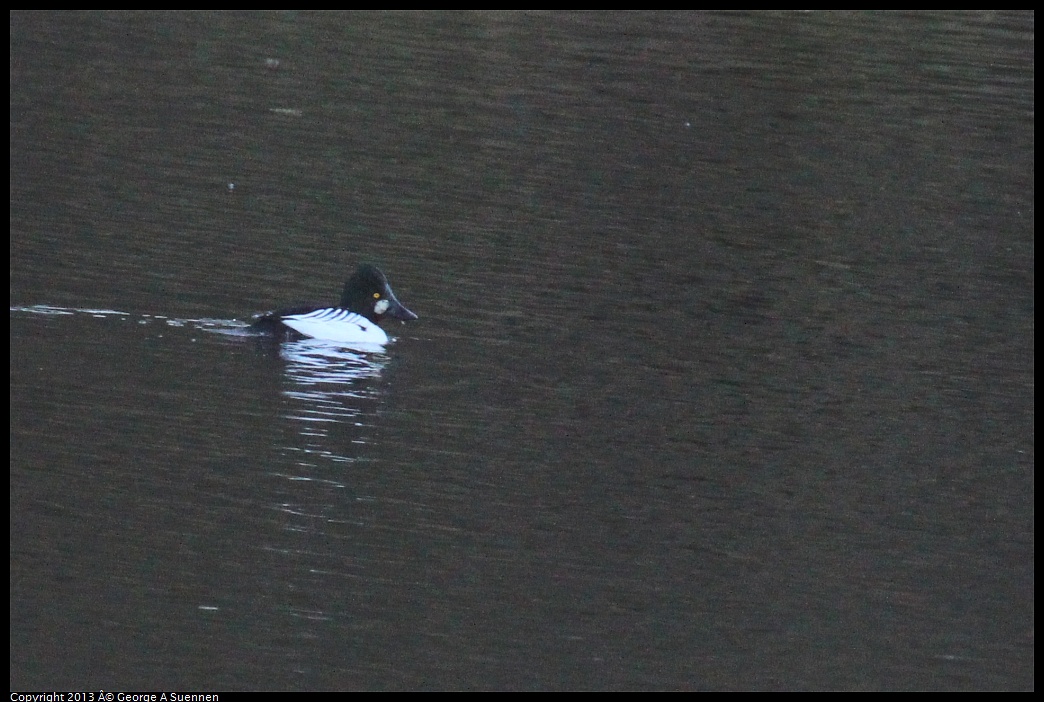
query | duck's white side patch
(336,324)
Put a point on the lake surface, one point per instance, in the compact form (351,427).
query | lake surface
(723,377)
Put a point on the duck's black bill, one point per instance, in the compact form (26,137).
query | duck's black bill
(397,311)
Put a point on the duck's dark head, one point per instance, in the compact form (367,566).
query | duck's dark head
(368,293)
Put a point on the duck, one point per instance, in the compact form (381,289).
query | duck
(366,300)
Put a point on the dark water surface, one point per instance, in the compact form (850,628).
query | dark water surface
(723,376)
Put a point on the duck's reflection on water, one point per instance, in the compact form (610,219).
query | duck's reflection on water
(332,394)
(312,362)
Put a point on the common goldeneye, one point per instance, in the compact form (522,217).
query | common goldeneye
(366,300)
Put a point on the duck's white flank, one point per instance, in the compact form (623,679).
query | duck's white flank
(337,324)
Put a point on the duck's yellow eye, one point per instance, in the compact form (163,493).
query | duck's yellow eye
(376,296)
